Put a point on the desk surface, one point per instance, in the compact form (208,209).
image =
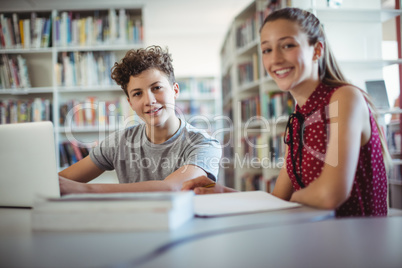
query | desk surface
(297,237)
(362,242)
(20,247)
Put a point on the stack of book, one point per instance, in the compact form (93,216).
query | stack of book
(149,211)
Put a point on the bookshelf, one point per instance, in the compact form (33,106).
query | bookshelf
(199,102)
(55,65)
(254,152)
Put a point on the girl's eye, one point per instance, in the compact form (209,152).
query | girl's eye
(136,94)
(289,46)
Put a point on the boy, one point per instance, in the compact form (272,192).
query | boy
(158,155)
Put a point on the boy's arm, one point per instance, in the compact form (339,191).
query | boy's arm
(173,182)
(72,178)
(202,185)
(84,170)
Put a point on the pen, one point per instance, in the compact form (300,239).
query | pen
(209,185)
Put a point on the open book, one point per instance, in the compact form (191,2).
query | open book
(212,205)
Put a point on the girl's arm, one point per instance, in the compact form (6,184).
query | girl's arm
(283,186)
(350,128)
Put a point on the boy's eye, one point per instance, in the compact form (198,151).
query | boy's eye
(265,51)
(157,87)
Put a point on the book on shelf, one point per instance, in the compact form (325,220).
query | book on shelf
(31,31)
(17,34)
(277,103)
(14,72)
(93,112)
(250,107)
(104,27)
(29,110)
(27,33)
(247,73)
(253,147)
(25,82)
(205,87)
(277,147)
(247,31)
(71,152)
(84,68)
(150,211)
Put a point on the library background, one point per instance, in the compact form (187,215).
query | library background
(55,65)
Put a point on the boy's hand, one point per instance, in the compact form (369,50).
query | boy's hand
(71,187)
(198,185)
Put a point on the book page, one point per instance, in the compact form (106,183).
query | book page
(212,205)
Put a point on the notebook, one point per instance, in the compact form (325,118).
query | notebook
(27,163)
(378,92)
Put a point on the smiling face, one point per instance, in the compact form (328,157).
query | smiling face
(287,55)
(152,97)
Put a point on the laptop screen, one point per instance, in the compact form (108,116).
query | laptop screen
(27,163)
(378,92)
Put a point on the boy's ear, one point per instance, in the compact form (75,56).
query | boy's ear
(176,89)
(318,50)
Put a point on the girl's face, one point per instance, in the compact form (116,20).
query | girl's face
(287,55)
(152,97)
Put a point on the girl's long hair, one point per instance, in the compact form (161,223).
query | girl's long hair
(328,69)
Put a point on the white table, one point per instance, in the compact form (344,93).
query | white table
(21,247)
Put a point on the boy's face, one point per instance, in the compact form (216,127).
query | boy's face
(152,97)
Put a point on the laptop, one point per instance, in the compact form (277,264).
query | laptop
(27,163)
(378,92)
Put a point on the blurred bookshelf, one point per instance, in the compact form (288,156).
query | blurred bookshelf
(55,65)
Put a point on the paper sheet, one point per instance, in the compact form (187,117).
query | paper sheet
(212,205)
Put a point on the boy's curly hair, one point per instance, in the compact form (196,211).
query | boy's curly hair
(138,60)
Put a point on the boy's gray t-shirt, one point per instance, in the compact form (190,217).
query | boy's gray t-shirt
(136,159)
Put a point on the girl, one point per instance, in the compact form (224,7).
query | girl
(335,154)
